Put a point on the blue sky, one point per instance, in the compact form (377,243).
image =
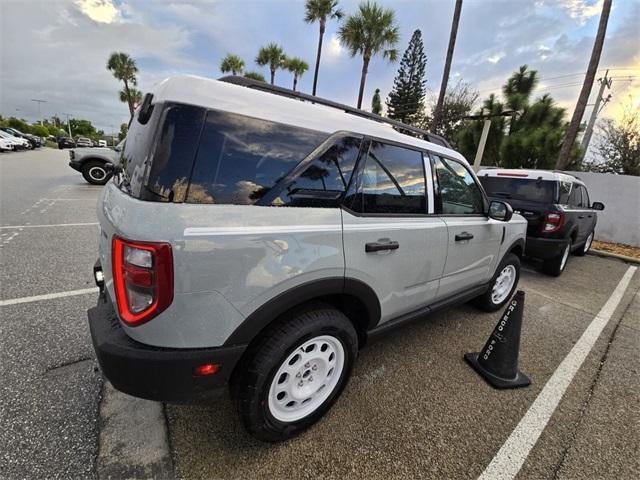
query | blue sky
(57,50)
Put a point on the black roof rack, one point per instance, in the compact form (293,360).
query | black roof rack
(285,92)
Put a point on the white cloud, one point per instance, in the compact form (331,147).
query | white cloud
(496,57)
(334,48)
(101,11)
(581,9)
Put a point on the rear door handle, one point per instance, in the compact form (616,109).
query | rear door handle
(463,236)
(380,246)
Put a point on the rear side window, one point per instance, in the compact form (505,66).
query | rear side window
(532,190)
(392,181)
(459,193)
(241,158)
(327,175)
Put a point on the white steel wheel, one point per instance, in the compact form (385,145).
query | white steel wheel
(504,284)
(306,378)
(587,244)
(565,256)
(97,173)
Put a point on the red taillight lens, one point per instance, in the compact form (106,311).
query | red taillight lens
(206,369)
(142,278)
(552,222)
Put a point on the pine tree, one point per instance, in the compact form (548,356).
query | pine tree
(406,99)
(376,104)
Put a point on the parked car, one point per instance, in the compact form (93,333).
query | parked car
(24,142)
(561,218)
(262,240)
(66,142)
(6,145)
(92,162)
(17,142)
(84,142)
(102,143)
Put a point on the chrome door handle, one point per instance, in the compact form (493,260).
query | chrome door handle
(463,236)
(380,246)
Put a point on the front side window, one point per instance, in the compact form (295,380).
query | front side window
(459,193)
(392,181)
(324,179)
(585,197)
(565,191)
(575,198)
(241,158)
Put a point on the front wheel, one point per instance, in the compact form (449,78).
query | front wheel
(95,173)
(502,285)
(296,373)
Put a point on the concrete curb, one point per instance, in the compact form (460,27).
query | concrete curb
(624,258)
(133,441)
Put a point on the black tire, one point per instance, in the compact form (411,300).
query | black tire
(485,301)
(556,266)
(585,247)
(95,172)
(253,379)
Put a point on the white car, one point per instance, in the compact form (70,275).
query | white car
(18,143)
(6,145)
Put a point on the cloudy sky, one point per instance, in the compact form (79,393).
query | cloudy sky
(56,50)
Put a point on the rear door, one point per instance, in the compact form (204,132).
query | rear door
(473,238)
(391,241)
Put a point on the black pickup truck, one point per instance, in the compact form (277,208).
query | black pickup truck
(561,219)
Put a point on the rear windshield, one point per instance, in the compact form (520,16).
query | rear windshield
(531,190)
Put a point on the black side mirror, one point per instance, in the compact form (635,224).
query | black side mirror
(597,206)
(500,211)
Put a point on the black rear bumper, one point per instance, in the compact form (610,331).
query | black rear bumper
(163,374)
(545,248)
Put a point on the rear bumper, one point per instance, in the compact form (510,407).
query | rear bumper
(162,374)
(545,248)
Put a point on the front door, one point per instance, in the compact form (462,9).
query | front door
(390,240)
(473,238)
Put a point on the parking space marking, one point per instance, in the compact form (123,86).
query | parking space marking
(51,225)
(507,462)
(48,296)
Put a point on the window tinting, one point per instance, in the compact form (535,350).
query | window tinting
(459,192)
(585,197)
(565,190)
(519,188)
(329,174)
(575,198)
(241,158)
(393,181)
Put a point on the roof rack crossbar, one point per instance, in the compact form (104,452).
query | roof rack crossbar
(258,85)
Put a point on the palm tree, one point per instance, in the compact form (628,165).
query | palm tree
(297,66)
(437,114)
(370,31)
(255,76)
(124,68)
(574,126)
(320,11)
(134,94)
(272,55)
(232,63)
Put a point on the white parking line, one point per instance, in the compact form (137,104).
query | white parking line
(54,225)
(48,296)
(510,458)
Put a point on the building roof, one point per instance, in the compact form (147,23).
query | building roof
(241,100)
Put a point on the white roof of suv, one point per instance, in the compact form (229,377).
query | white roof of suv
(238,99)
(531,174)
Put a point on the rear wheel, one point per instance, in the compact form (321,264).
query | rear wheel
(556,266)
(295,373)
(582,251)
(503,283)
(95,173)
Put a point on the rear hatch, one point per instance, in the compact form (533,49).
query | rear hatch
(530,197)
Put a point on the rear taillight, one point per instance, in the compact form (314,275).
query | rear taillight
(551,222)
(142,278)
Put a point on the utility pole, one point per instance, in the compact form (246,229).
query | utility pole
(572,131)
(68,124)
(437,114)
(39,102)
(485,132)
(604,83)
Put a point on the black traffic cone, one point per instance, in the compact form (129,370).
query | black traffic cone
(497,363)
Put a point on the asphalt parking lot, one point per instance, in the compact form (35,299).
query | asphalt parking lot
(413,408)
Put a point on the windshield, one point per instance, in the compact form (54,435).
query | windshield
(542,191)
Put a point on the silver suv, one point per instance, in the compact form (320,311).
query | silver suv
(251,237)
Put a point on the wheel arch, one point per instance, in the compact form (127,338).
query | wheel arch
(352,297)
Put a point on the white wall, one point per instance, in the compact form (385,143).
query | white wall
(620,220)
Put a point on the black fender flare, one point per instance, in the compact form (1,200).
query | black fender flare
(261,318)
(518,243)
